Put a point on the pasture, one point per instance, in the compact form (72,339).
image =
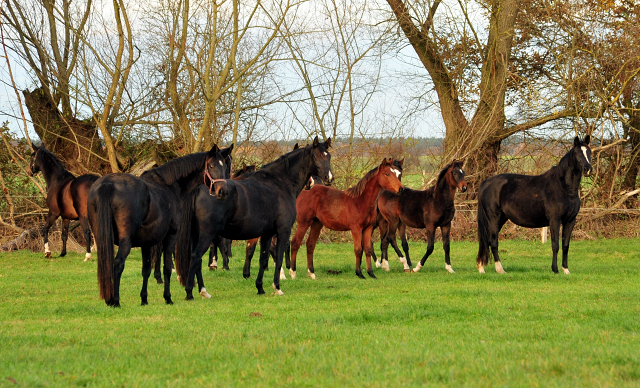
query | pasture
(528,327)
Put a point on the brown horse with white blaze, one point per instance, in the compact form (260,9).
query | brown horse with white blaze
(353,210)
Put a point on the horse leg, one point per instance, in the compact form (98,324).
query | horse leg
(312,240)
(264,260)
(146,272)
(295,245)
(446,230)
(225,251)
(84,222)
(196,262)
(431,235)
(357,249)
(213,257)
(168,247)
(249,251)
(368,248)
(494,233)
(405,244)
(391,237)
(124,248)
(554,229)
(566,238)
(281,245)
(384,244)
(65,236)
(51,218)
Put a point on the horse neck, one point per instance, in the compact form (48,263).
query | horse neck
(568,173)
(444,191)
(371,192)
(54,173)
(296,172)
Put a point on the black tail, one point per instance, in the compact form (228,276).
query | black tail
(104,241)
(483,234)
(185,237)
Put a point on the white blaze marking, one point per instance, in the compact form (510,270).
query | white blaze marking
(499,268)
(397,172)
(220,161)
(565,270)
(584,152)
(417,268)
(448,268)
(204,293)
(326,153)
(330,175)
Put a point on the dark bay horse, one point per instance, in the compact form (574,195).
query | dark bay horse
(551,199)
(142,212)
(424,209)
(261,205)
(353,210)
(66,196)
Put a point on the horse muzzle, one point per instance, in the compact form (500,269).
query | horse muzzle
(220,190)
(463,187)
(328,179)
(588,171)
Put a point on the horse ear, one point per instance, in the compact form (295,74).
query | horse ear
(401,162)
(384,162)
(296,146)
(327,143)
(576,141)
(213,150)
(587,140)
(227,151)
(316,142)
(244,166)
(34,147)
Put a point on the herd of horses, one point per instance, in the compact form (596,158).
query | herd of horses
(192,203)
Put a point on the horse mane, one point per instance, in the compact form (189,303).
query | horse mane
(357,190)
(48,158)
(282,160)
(440,178)
(176,169)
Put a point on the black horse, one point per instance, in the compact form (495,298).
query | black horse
(66,196)
(261,205)
(223,244)
(143,212)
(550,199)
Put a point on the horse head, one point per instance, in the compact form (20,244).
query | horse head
(217,169)
(389,176)
(582,154)
(34,163)
(322,160)
(455,176)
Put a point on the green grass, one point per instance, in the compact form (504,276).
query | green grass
(526,328)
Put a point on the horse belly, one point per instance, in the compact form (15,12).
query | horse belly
(528,215)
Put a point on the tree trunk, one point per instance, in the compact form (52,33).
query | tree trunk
(75,142)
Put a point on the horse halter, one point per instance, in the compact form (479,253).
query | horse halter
(213,181)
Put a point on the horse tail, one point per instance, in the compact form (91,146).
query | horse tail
(104,241)
(483,232)
(186,236)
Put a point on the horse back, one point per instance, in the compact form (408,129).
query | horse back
(335,209)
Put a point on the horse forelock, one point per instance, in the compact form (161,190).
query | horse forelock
(357,190)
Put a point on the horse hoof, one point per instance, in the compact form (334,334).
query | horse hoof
(63,253)
(448,268)
(417,268)
(246,275)
(566,271)
(378,265)
(47,255)
(408,270)
(360,275)
(278,292)
(407,267)
(292,274)
(144,303)
(385,265)
(260,291)
(87,257)
(372,275)
(168,301)
(159,281)
(225,268)
(189,297)
(499,268)
(204,293)
(282,274)
(311,275)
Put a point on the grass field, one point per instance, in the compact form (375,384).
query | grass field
(526,328)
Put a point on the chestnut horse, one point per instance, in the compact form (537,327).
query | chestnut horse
(353,209)
(551,199)
(425,209)
(66,196)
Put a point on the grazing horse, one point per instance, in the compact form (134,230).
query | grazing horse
(143,212)
(353,209)
(551,199)
(425,209)
(66,196)
(261,205)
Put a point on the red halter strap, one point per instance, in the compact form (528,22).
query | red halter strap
(213,181)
